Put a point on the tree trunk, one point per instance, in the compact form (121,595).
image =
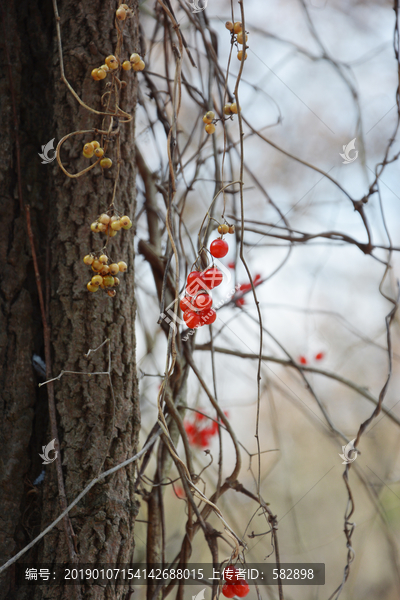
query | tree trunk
(62,210)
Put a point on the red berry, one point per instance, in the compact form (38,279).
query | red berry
(241,589)
(219,248)
(319,356)
(228,591)
(302,360)
(212,277)
(185,304)
(191,319)
(194,283)
(203,301)
(240,302)
(193,276)
(207,316)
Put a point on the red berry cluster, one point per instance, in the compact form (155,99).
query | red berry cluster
(200,435)
(197,302)
(199,431)
(234,586)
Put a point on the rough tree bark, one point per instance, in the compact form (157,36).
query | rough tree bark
(62,210)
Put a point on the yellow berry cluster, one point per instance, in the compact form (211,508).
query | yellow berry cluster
(123,12)
(112,63)
(110,225)
(105,277)
(231,109)
(135,62)
(93,149)
(241,37)
(208,120)
(225,228)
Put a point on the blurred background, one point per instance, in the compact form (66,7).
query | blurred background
(318,75)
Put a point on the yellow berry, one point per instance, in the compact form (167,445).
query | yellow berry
(122,266)
(88,259)
(210,128)
(110,58)
(224,228)
(121,14)
(102,227)
(114,269)
(126,65)
(99,152)
(112,232)
(237,28)
(227,109)
(101,73)
(97,280)
(105,68)
(116,225)
(111,293)
(208,117)
(95,144)
(88,150)
(231,229)
(97,266)
(103,259)
(94,227)
(126,223)
(104,218)
(105,270)
(95,75)
(108,281)
(116,282)
(139,66)
(125,6)
(91,287)
(135,58)
(234,108)
(229,25)
(106,163)
(240,54)
(239,38)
